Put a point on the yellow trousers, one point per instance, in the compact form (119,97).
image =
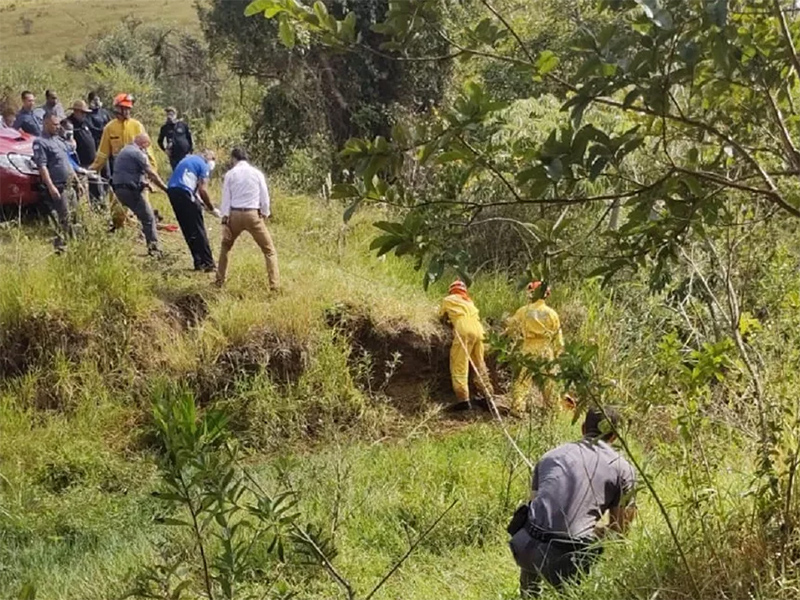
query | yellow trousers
(468,348)
(523,385)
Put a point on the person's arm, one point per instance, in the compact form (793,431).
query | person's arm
(202,191)
(48,183)
(103,151)
(189,138)
(263,193)
(624,511)
(153,175)
(161,135)
(225,206)
(26,126)
(40,160)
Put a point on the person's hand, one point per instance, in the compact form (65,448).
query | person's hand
(224,220)
(54,193)
(216,213)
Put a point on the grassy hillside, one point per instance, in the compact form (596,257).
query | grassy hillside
(37,30)
(91,338)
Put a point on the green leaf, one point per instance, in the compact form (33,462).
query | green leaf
(660,17)
(321,11)
(286,32)
(450,156)
(175,522)
(546,62)
(348,214)
(342,191)
(258,6)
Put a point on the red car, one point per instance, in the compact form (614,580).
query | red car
(19,177)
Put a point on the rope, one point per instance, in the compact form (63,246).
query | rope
(490,397)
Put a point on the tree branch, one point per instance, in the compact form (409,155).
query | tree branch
(510,29)
(792,156)
(411,549)
(325,562)
(771,192)
(787,36)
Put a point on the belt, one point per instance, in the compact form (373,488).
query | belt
(244,209)
(559,539)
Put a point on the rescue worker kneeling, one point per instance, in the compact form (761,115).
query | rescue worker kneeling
(539,329)
(556,537)
(458,309)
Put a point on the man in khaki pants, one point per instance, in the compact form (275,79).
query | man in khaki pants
(245,206)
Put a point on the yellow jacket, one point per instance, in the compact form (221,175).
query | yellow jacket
(463,315)
(116,135)
(540,329)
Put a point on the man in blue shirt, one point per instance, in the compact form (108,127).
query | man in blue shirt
(190,179)
(27,120)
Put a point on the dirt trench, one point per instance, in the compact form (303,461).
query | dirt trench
(407,366)
(35,341)
(283,359)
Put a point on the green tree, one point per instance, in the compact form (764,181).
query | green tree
(698,91)
(312,88)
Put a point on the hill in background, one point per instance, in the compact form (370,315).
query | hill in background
(47,29)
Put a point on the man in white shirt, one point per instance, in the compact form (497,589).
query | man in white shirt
(245,207)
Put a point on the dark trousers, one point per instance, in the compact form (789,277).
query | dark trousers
(176,156)
(134,199)
(59,212)
(190,218)
(550,562)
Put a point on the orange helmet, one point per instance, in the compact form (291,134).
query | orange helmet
(458,286)
(123,100)
(535,285)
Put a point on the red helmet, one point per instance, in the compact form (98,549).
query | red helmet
(458,286)
(123,100)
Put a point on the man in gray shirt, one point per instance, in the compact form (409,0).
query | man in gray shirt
(131,173)
(50,155)
(573,487)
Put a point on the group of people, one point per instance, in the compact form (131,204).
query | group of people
(116,150)
(535,326)
(556,536)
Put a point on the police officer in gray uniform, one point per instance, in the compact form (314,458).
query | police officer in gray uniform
(131,172)
(556,538)
(50,155)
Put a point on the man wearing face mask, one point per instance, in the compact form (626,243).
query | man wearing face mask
(190,178)
(175,138)
(97,118)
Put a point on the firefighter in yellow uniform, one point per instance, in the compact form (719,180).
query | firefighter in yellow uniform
(117,134)
(539,329)
(459,310)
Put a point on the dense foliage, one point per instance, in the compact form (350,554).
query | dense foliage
(311,92)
